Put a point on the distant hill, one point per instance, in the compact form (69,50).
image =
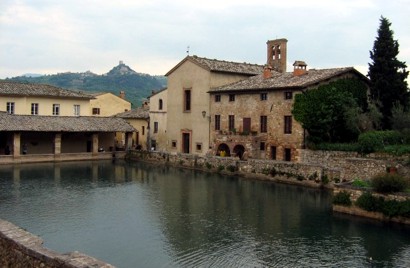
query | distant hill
(137,86)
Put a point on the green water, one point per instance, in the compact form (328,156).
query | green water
(140,215)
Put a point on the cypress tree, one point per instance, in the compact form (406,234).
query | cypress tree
(387,74)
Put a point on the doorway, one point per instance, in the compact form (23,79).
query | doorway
(186,143)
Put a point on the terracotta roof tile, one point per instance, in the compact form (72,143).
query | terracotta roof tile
(285,80)
(140,112)
(62,123)
(30,89)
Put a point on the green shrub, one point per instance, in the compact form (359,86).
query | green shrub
(208,165)
(342,198)
(368,202)
(265,171)
(273,172)
(231,168)
(398,149)
(221,167)
(389,183)
(373,141)
(361,183)
(325,179)
(391,208)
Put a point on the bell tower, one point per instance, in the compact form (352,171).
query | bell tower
(277,54)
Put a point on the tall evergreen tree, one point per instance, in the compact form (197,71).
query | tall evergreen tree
(387,74)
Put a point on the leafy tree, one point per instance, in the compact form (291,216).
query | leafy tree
(330,113)
(387,74)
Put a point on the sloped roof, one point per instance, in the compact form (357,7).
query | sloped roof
(39,90)
(157,92)
(222,66)
(138,113)
(62,123)
(286,80)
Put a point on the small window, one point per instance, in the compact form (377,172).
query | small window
(288,124)
(174,144)
(264,124)
(96,111)
(160,104)
(187,100)
(199,147)
(56,109)
(217,122)
(218,98)
(231,97)
(76,110)
(262,146)
(143,130)
(288,154)
(155,127)
(288,95)
(264,96)
(273,152)
(10,107)
(34,108)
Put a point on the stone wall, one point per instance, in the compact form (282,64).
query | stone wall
(19,248)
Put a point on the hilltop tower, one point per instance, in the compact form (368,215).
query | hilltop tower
(277,54)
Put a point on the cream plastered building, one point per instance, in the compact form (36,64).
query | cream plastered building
(108,104)
(37,99)
(158,120)
(188,108)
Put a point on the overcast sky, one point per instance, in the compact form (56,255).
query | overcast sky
(152,36)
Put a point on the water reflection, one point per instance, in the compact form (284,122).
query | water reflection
(143,215)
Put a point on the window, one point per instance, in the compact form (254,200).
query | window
(174,144)
(155,127)
(143,130)
(199,146)
(288,124)
(288,155)
(262,146)
(264,124)
(96,111)
(288,95)
(34,108)
(264,96)
(56,109)
(231,122)
(217,98)
(187,100)
(160,104)
(217,122)
(273,152)
(76,110)
(10,107)
(231,97)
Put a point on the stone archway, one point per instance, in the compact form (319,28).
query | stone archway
(223,147)
(239,150)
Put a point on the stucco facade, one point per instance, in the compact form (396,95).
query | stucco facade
(108,104)
(158,120)
(188,109)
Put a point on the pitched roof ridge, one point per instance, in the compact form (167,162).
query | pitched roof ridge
(226,61)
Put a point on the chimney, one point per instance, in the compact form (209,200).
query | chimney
(267,72)
(122,94)
(277,51)
(299,68)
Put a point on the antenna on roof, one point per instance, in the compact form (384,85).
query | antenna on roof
(187,50)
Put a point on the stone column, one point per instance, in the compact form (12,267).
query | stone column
(57,144)
(95,143)
(128,140)
(16,144)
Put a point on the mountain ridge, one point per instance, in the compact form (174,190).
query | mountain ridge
(137,86)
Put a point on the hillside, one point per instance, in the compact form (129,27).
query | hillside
(137,86)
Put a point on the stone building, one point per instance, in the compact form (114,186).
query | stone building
(108,104)
(252,117)
(188,107)
(158,120)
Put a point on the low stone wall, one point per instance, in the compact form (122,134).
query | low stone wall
(355,193)
(289,172)
(19,248)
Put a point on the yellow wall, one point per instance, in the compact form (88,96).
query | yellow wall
(160,116)
(139,137)
(109,104)
(22,105)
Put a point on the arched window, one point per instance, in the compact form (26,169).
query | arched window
(160,104)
